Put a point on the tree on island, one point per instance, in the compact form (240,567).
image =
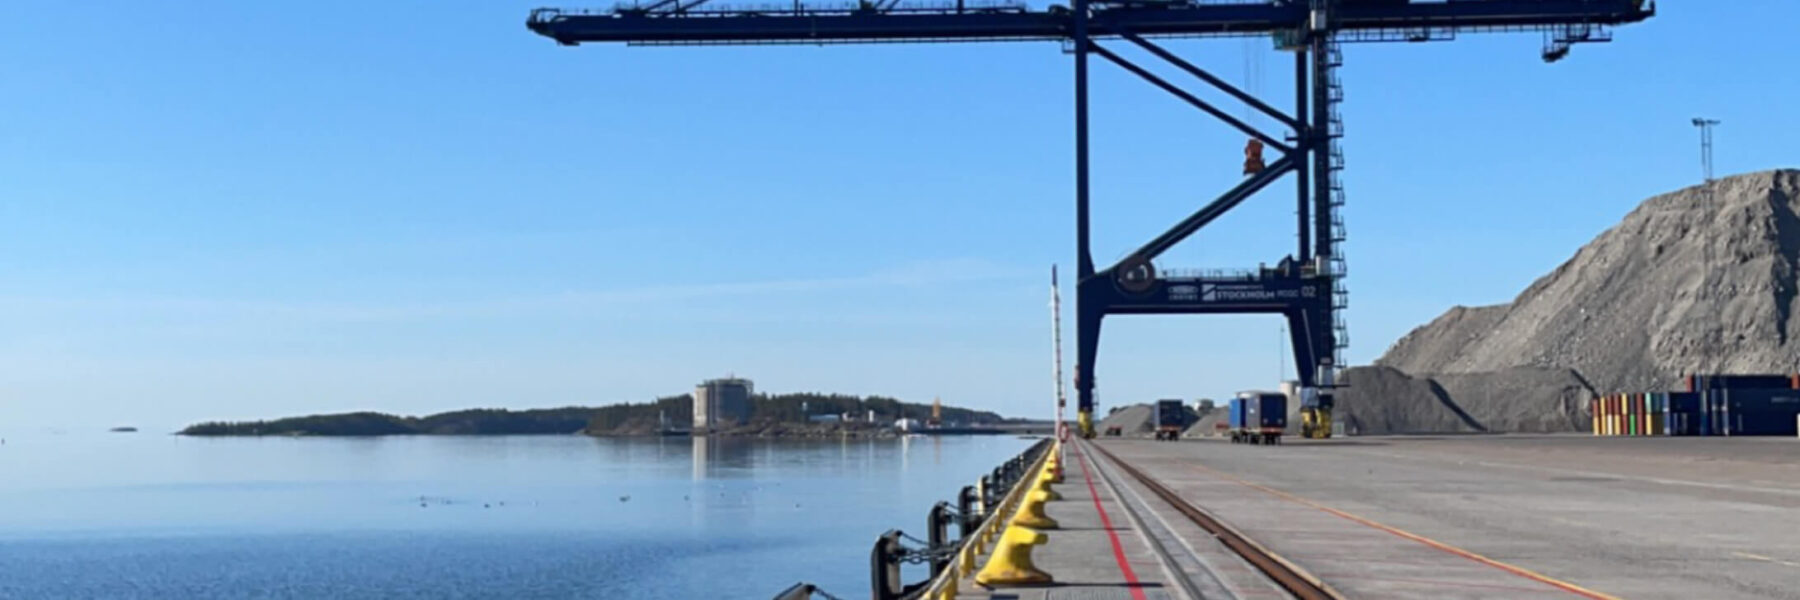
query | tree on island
(618,419)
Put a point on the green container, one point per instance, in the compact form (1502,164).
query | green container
(1632,408)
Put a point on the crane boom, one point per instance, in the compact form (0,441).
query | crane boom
(672,23)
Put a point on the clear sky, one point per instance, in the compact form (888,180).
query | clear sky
(253,209)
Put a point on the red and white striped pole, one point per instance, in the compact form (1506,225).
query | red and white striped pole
(1056,333)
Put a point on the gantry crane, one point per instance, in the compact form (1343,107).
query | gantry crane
(1305,287)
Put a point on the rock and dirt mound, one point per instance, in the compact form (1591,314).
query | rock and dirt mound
(1699,280)
(1131,420)
(1384,400)
(1208,423)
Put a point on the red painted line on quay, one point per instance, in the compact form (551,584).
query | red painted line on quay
(1106,523)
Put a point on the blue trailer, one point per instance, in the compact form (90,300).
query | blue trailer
(1258,417)
(1171,419)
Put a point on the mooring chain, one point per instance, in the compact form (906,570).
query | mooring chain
(924,555)
(928,553)
(948,550)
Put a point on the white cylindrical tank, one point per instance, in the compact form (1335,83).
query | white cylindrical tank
(1291,389)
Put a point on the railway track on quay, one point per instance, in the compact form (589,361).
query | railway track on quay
(1280,572)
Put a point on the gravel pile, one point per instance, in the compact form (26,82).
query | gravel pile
(1384,400)
(1688,282)
(1132,420)
(1208,423)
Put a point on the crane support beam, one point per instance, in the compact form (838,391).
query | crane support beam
(1177,92)
(1271,292)
(1292,290)
(1213,80)
(1213,210)
(801,23)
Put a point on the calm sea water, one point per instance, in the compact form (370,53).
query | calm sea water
(154,516)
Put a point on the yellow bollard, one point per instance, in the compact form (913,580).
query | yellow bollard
(1043,485)
(1011,562)
(1031,514)
(1054,468)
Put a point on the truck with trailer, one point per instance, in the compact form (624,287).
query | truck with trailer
(1170,420)
(1258,417)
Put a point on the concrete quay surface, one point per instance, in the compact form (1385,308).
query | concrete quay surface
(1503,516)
(1096,553)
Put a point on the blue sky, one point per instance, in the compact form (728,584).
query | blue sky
(245,209)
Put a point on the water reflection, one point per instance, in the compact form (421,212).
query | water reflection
(906,453)
(703,457)
(775,510)
(717,457)
(733,457)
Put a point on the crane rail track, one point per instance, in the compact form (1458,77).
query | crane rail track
(1286,575)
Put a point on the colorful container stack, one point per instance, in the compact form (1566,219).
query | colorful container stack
(1637,415)
(1712,405)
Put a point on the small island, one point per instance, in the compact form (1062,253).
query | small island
(802,415)
(565,420)
(126,429)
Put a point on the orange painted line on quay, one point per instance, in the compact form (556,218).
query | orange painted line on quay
(1514,569)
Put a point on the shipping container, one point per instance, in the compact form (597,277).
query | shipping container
(1764,400)
(1761,412)
(1735,382)
(1658,411)
(1631,414)
(1606,420)
(1653,414)
(1693,413)
(1171,419)
(1683,413)
(1619,415)
(1622,415)
(1258,417)
(1684,402)
(1604,417)
(1710,411)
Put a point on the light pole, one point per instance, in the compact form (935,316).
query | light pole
(1706,145)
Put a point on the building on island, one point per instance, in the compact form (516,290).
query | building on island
(721,403)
